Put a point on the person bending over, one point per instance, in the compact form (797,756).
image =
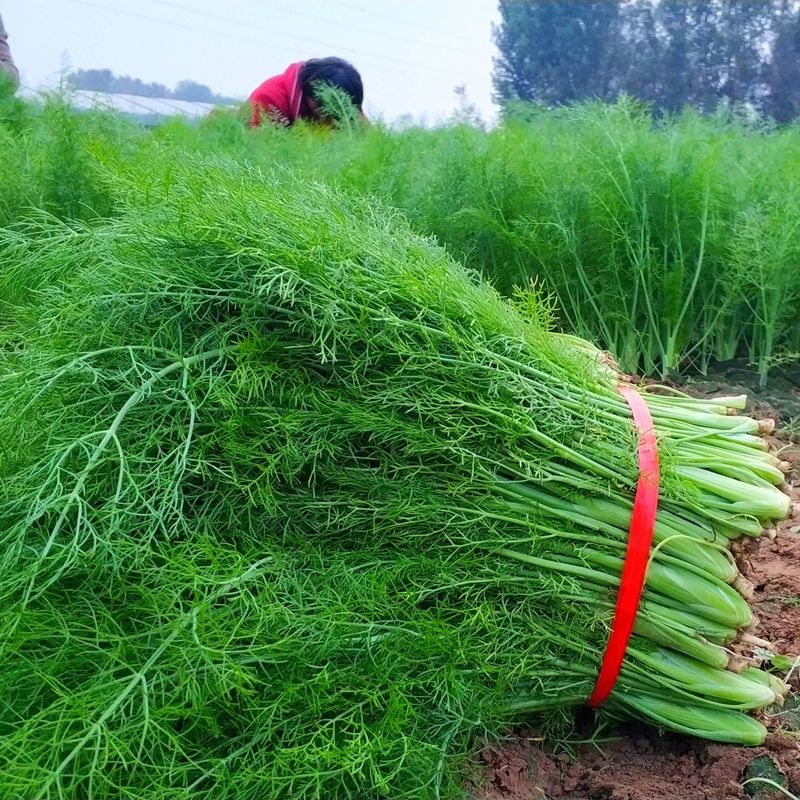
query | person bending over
(293,95)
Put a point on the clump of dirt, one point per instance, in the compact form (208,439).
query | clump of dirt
(773,566)
(641,764)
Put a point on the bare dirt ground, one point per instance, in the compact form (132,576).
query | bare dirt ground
(639,763)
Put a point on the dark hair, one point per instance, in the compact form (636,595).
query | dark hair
(334,71)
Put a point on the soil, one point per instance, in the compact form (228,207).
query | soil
(636,762)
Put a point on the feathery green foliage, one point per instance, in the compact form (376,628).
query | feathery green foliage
(292,505)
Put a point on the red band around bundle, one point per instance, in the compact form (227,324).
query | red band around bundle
(640,537)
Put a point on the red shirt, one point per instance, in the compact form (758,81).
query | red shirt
(278,98)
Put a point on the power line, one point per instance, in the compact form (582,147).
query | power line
(304,39)
(221,34)
(397,20)
(349,26)
(180,25)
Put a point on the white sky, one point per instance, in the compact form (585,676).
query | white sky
(411,53)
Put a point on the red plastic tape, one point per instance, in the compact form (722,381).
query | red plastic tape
(640,537)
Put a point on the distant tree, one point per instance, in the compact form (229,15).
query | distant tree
(125,84)
(670,53)
(745,27)
(677,58)
(783,72)
(104,80)
(712,50)
(155,90)
(556,52)
(466,111)
(194,92)
(639,52)
(93,80)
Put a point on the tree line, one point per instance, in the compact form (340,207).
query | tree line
(104,80)
(670,53)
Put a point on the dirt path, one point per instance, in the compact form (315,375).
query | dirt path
(641,764)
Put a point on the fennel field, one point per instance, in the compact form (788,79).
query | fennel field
(674,244)
(313,481)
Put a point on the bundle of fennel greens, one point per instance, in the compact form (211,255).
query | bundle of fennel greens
(292,505)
